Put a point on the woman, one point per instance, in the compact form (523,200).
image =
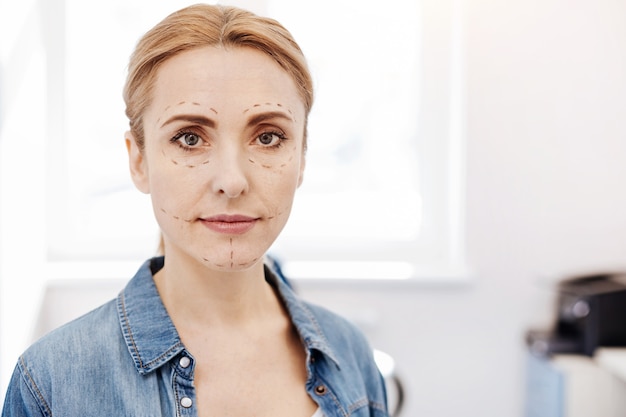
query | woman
(218,101)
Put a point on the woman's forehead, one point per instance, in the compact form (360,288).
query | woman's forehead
(234,77)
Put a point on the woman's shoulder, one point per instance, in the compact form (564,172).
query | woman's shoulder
(91,334)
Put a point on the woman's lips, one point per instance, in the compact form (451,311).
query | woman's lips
(230,224)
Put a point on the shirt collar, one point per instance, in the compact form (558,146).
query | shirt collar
(152,339)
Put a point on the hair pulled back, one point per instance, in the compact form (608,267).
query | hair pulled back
(208,25)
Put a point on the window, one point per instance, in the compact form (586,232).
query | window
(381,196)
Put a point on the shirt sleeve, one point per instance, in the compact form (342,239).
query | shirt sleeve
(23,398)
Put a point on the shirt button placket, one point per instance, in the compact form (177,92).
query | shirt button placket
(184,386)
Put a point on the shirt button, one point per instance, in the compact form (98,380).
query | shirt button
(320,390)
(184,361)
(186,402)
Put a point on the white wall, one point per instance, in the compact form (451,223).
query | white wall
(546,196)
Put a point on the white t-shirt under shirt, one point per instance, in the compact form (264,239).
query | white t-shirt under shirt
(318,413)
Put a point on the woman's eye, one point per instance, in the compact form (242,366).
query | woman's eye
(270,139)
(189,139)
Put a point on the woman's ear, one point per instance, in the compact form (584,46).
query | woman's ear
(137,164)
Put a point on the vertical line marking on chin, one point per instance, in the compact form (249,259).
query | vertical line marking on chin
(231,253)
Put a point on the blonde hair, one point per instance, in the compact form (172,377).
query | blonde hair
(207,25)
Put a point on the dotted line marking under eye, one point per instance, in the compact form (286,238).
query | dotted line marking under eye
(263,165)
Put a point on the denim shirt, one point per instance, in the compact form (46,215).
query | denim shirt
(126,359)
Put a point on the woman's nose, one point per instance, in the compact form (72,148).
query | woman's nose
(229,175)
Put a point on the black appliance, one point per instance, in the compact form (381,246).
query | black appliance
(591,313)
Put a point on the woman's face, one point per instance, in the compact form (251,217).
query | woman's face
(223,154)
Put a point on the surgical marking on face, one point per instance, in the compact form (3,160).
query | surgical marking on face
(280,213)
(175,217)
(248,263)
(213,110)
(232,252)
(288,161)
(266,104)
(181,103)
(251,161)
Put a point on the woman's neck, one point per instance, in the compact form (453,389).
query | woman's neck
(196,296)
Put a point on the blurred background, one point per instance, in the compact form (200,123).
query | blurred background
(465,156)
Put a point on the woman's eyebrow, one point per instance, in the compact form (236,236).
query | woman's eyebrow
(261,117)
(191,118)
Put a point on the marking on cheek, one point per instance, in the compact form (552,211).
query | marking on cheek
(213,110)
(205,162)
(267,166)
(181,103)
(280,213)
(251,161)
(288,162)
(279,105)
(195,103)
